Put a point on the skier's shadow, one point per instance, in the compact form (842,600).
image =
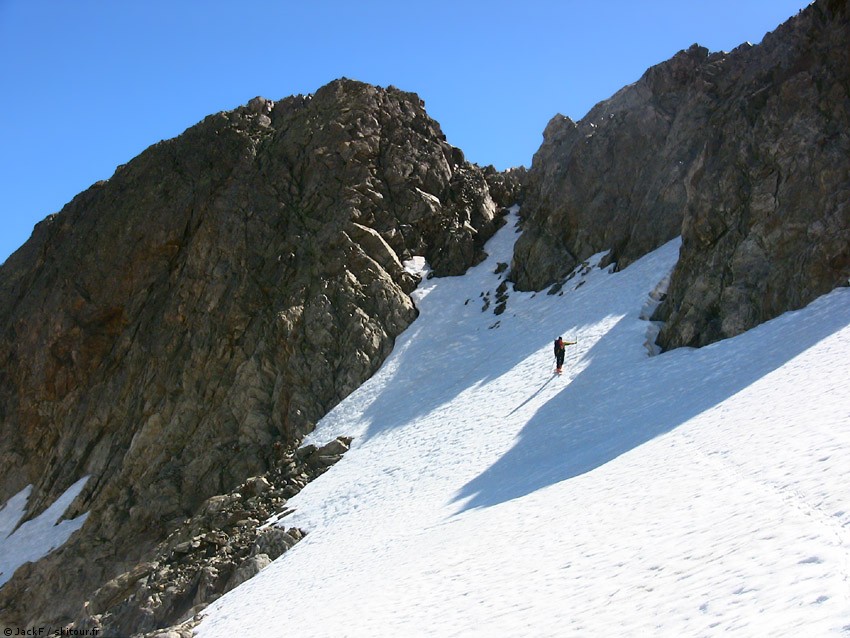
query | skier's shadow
(531,398)
(611,408)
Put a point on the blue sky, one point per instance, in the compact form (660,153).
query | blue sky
(87,85)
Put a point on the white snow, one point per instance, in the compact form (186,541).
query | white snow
(39,536)
(417,266)
(692,493)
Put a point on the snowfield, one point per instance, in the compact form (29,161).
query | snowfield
(693,493)
(33,539)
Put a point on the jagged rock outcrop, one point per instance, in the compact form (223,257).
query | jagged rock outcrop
(744,154)
(216,550)
(612,181)
(506,187)
(767,225)
(175,326)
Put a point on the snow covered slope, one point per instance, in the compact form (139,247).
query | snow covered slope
(693,493)
(37,537)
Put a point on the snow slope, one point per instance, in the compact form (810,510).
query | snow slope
(37,537)
(693,493)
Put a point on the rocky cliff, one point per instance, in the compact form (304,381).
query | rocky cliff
(180,326)
(745,154)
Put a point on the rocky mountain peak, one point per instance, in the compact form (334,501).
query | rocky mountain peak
(174,326)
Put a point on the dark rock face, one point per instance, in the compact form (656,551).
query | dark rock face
(744,154)
(767,225)
(611,181)
(216,550)
(506,187)
(175,325)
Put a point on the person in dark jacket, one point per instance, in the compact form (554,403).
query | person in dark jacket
(560,351)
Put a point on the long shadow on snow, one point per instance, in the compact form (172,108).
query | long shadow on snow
(430,376)
(609,409)
(428,383)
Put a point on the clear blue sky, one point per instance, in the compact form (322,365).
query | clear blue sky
(86,85)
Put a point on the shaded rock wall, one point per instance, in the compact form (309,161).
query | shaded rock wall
(767,224)
(612,181)
(175,325)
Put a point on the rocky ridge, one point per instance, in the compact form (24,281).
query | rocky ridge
(177,324)
(224,544)
(742,153)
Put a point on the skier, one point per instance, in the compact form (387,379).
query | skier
(560,351)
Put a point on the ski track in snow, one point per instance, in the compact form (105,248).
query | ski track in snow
(693,493)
